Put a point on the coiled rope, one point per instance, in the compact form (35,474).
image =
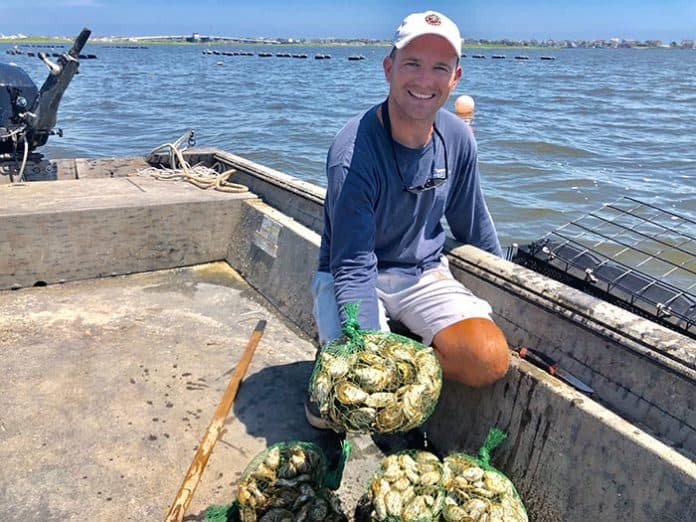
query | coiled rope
(199,175)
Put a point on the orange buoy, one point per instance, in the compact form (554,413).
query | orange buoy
(464,108)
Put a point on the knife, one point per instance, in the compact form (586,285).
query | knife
(545,362)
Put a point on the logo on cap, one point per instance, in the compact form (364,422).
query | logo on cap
(433,19)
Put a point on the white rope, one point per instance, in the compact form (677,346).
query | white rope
(12,133)
(199,175)
(24,160)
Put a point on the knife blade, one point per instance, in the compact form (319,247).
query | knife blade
(545,362)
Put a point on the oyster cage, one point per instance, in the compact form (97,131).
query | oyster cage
(630,253)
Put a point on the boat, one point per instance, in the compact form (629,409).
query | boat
(127,292)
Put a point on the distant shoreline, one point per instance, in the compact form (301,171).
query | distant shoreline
(136,41)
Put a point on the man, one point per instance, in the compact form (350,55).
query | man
(393,173)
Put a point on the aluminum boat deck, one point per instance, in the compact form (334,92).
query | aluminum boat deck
(109,385)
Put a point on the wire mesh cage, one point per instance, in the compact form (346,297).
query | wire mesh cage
(630,253)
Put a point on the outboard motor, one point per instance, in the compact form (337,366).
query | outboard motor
(27,114)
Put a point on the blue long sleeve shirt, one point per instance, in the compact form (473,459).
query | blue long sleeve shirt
(372,223)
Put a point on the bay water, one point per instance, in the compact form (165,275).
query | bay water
(556,138)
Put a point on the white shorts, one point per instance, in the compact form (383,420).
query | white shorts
(437,300)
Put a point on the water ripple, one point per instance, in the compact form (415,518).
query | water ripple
(556,139)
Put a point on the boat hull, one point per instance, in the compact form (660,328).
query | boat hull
(624,456)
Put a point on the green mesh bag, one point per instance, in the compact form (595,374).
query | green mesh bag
(408,487)
(287,481)
(478,491)
(369,381)
(228,513)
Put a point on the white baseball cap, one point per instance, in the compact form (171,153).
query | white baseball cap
(429,22)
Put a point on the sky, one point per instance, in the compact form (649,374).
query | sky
(666,20)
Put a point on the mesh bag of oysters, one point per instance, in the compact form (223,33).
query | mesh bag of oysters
(287,482)
(369,381)
(407,487)
(415,486)
(476,491)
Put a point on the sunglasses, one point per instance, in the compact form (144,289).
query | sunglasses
(434,181)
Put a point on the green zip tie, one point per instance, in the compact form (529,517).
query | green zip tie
(494,438)
(351,328)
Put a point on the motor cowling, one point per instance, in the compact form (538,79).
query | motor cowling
(17,94)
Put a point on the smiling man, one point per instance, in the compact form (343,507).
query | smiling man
(393,173)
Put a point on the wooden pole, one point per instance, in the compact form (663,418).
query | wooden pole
(205,448)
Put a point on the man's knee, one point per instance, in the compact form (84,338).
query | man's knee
(473,351)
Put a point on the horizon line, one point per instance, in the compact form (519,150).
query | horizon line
(336,38)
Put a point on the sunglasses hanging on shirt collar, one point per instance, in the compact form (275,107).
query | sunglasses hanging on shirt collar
(433,181)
